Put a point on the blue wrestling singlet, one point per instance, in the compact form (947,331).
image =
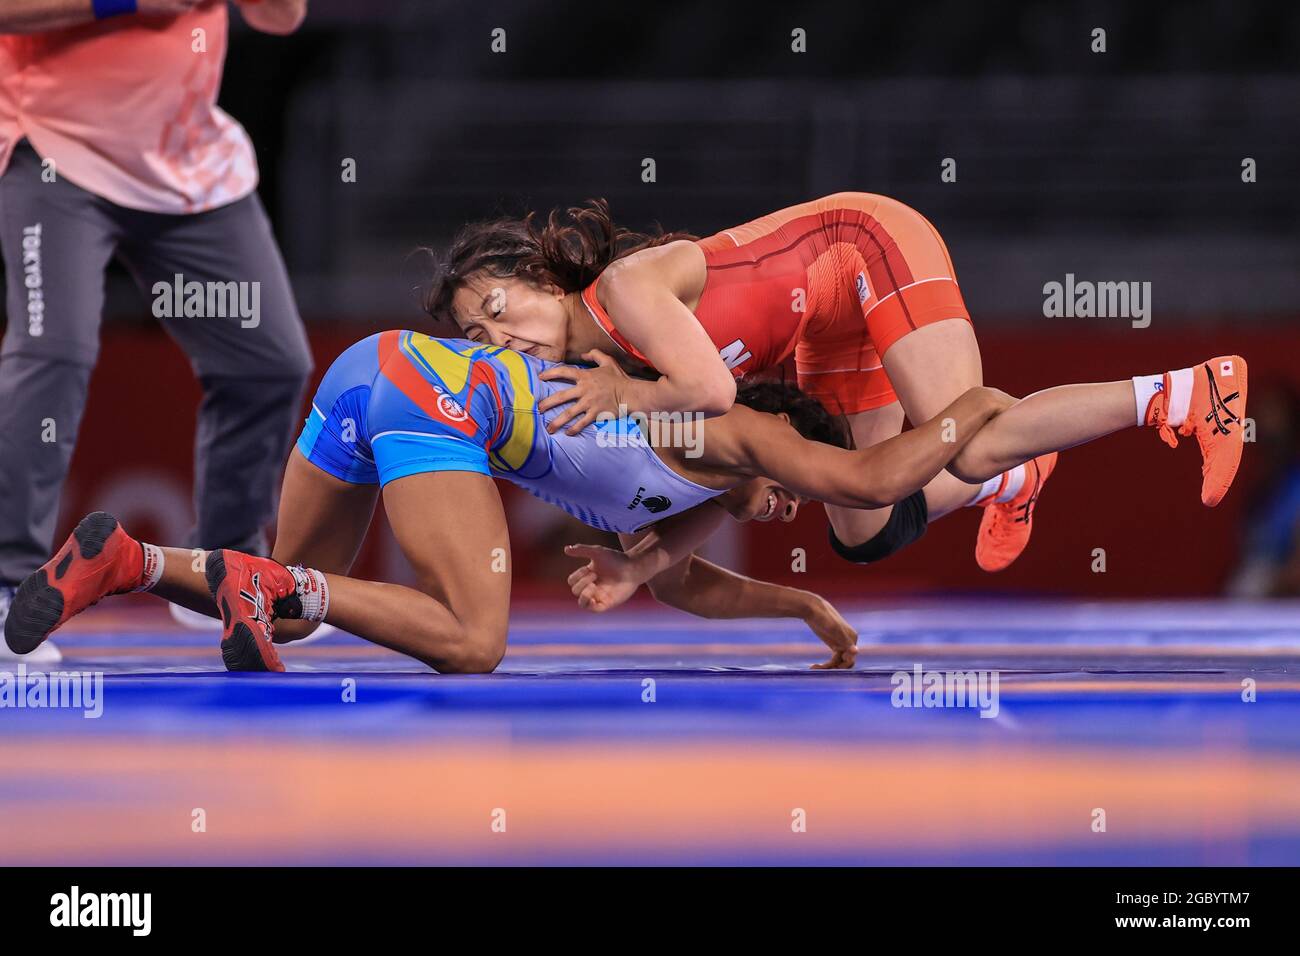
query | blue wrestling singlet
(403,403)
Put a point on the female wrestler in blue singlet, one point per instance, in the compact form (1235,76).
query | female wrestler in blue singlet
(430,422)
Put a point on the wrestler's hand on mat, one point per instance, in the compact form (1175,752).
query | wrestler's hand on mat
(607,579)
(838,634)
(595,390)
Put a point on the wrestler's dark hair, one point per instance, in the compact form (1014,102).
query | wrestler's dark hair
(809,417)
(568,248)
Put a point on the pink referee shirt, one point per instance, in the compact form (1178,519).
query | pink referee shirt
(126,108)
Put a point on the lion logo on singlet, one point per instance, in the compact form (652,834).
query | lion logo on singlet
(653,503)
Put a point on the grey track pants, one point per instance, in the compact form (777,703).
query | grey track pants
(57,240)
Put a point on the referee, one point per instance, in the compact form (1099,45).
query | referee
(112,146)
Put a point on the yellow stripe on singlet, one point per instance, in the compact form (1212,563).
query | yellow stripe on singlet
(448,365)
(523,423)
(451,362)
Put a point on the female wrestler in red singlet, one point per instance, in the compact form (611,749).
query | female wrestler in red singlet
(861,291)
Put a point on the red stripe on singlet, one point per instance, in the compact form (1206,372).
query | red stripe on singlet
(888,271)
(397,367)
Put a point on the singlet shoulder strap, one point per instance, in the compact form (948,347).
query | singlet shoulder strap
(603,320)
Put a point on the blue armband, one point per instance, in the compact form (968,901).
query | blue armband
(112,8)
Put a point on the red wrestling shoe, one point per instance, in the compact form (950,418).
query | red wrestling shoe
(1006,526)
(1214,410)
(97,560)
(246,589)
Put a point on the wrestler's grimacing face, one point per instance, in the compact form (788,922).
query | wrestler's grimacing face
(512,313)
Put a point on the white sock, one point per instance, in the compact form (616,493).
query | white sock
(987,490)
(154,562)
(1180,394)
(313,591)
(1145,388)
(1005,486)
(1015,481)
(1181,382)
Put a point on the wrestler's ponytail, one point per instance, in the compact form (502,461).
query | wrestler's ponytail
(568,249)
